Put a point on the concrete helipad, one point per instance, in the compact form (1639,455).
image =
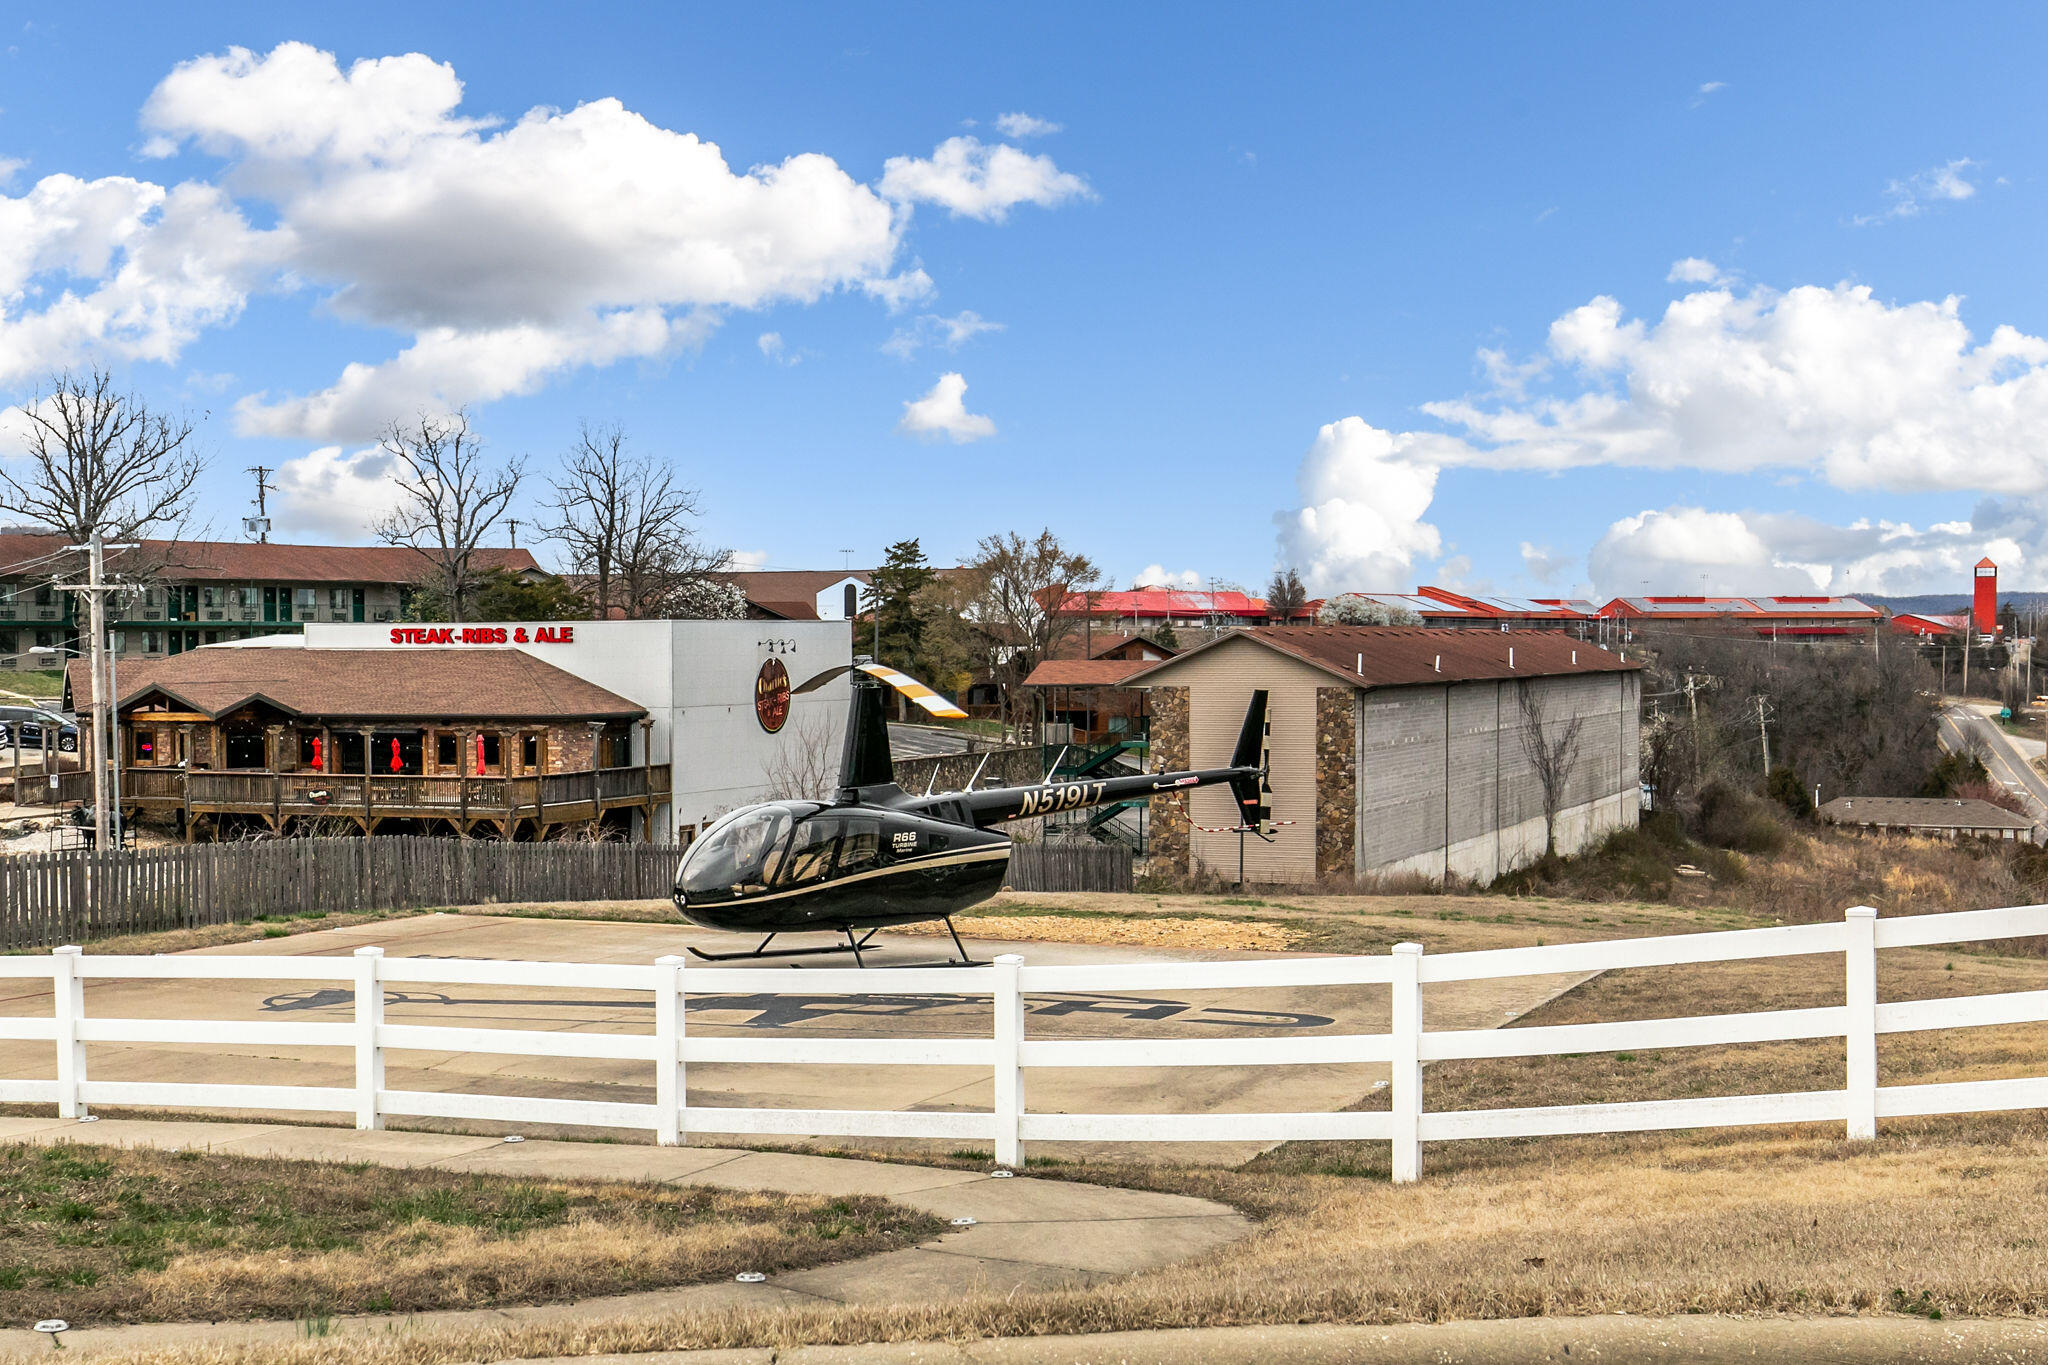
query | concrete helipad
(761,1000)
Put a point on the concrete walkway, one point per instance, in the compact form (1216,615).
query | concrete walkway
(1026,1235)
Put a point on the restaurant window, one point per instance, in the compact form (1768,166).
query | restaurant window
(337,600)
(445,749)
(210,596)
(529,752)
(491,754)
(312,750)
(145,747)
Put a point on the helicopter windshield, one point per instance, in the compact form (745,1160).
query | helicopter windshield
(734,854)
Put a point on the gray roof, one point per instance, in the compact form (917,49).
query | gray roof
(1922,812)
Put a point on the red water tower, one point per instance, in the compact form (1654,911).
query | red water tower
(1984,611)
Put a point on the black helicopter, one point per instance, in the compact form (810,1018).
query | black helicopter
(875,855)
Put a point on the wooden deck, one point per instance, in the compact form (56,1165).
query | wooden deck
(540,801)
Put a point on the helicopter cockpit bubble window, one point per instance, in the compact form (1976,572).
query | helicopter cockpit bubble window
(735,854)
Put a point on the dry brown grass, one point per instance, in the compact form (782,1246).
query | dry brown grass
(146,1236)
(1211,932)
(1940,1221)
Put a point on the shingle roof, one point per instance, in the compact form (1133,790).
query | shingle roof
(1401,656)
(1086,672)
(240,561)
(367,684)
(1922,812)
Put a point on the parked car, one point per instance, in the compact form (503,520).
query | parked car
(26,723)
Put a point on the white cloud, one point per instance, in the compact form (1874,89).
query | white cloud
(972,180)
(774,348)
(1694,270)
(446,367)
(943,412)
(120,268)
(1690,549)
(506,252)
(1916,193)
(932,330)
(1021,126)
(1831,384)
(1158,576)
(1707,88)
(335,495)
(1542,563)
(1364,492)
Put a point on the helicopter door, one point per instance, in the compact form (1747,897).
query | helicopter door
(810,852)
(860,846)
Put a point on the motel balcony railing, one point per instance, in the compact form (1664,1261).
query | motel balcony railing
(548,797)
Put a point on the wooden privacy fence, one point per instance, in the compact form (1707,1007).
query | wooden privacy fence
(1058,865)
(52,898)
(1010,1054)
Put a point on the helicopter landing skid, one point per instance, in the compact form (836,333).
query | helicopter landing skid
(763,951)
(852,945)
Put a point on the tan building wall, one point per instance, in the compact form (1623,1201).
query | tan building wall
(1219,684)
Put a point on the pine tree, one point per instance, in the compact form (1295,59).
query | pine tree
(893,595)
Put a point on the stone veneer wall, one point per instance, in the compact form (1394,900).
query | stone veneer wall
(1170,842)
(1336,781)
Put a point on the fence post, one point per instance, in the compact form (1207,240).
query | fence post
(69,991)
(1860,1033)
(669,1088)
(1406,1084)
(369,1053)
(1009,1040)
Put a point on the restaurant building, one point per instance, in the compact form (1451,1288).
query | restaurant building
(514,729)
(487,742)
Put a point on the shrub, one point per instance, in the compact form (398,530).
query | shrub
(1784,787)
(1733,818)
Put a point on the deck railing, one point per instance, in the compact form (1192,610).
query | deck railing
(1009,1053)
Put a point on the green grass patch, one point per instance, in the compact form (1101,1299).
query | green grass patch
(100,1235)
(32,682)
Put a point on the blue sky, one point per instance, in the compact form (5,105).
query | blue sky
(1381,293)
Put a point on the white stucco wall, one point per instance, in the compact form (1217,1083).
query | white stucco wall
(696,679)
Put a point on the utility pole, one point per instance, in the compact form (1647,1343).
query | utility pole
(1968,631)
(513,522)
(1763,710)
(96,589)
(260,523)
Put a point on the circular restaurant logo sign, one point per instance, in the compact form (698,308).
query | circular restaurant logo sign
(771,695)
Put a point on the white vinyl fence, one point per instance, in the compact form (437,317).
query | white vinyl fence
(1009,1054)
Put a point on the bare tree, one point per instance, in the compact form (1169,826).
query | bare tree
(452,499)
(1286,598)
(1023,595)
(101,460)
(625,521)
(1554,752)
(805,765)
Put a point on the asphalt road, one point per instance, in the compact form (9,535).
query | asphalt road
(1961,724)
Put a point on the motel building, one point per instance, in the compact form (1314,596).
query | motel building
(647,729)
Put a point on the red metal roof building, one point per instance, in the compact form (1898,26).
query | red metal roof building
(1779,617)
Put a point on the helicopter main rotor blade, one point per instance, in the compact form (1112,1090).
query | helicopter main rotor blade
(902,682)
(910,687)
(814,683)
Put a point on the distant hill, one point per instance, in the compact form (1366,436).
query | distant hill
(1942,603)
